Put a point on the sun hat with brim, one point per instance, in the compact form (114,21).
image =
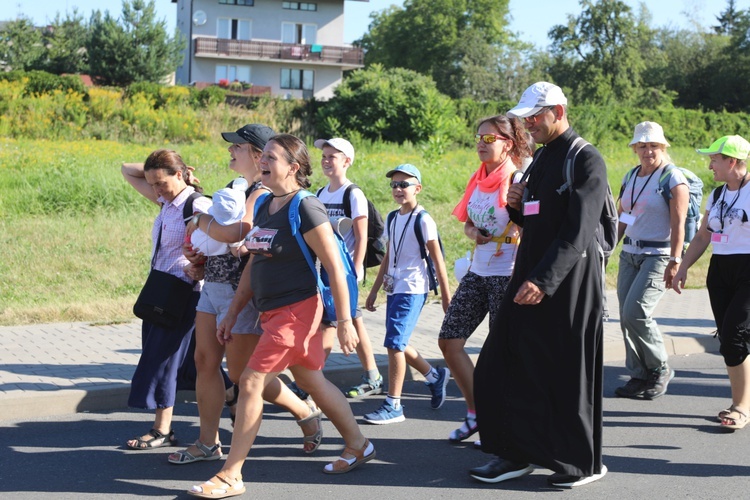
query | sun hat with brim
(228,206)
(338,144)
(648,132)
(729,145)
(254,133)
(538,96)
(408,169)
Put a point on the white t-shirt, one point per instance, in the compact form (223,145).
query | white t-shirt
(485,214)
(652,221)
(405,261)
(736,225)
(334,202)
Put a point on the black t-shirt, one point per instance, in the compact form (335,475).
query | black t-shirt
(280,275)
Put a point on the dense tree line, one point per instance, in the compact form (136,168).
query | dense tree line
(115,51)
(607,53)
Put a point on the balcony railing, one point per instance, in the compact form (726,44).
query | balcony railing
(249,49)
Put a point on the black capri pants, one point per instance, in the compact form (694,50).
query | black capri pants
(728,283)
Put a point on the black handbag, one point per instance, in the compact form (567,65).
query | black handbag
(164,298)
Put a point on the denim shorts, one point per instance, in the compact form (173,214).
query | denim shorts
(215,299)
(333,324)
(401,315)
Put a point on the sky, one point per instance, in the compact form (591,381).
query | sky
(530,19)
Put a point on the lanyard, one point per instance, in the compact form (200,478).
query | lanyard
(723,204)
(633,199)
(527,174)
(397,247)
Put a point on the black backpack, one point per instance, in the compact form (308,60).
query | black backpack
(375,228)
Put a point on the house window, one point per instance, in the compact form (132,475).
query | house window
(233,29)
(249,3)
(232,73)
(297,79)
(299,33)
(299,6)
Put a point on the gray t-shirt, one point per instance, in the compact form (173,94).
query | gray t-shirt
(652,213)
(280,275)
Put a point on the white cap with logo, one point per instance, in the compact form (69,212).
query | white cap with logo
(538,96)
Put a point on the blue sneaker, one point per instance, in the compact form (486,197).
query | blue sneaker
(386,414)
(438,388)
(297,390)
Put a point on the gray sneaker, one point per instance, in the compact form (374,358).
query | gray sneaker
(657,382)
(634,388)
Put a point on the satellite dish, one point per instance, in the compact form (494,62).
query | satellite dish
(199,18)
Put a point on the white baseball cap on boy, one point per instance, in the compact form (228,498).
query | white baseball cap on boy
(339,144)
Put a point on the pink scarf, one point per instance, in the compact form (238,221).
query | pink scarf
(498,180)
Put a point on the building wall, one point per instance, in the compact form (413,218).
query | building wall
(266,18)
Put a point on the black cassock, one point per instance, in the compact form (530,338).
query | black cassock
(538,380)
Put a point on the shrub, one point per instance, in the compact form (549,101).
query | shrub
(41,82)
(393,104)
(208,97)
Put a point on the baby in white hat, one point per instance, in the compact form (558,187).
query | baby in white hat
(228,207)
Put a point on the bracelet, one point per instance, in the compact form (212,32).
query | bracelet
(340,321)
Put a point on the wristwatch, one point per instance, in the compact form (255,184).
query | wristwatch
(676,260)
(196,218)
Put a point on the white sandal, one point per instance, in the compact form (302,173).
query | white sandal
(185,457)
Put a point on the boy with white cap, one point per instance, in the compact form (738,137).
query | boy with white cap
(338,156)
(405,277)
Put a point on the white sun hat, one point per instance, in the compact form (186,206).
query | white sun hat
(648,132)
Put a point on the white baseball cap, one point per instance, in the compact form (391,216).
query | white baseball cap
(536,97)
(228,206)
(340,144)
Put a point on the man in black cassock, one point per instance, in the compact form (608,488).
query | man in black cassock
(538,380)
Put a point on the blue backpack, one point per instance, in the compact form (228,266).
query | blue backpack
(329,313)
(695,185)
(431,274)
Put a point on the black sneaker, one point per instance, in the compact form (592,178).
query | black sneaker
(297,390)
(498,470)
(634,388)
(657,383)
(567,481)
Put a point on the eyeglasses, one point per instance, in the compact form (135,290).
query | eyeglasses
(489,138)
(402,184)
(535,117)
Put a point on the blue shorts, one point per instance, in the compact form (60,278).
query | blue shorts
(401,315)
(215,299)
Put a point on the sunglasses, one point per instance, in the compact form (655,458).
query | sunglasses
(489,138)
(402,184)
(535,117)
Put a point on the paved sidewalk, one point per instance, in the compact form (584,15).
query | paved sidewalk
(58,369)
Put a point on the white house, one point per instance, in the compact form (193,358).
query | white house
(293,48)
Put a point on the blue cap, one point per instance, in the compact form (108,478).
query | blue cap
(408,169)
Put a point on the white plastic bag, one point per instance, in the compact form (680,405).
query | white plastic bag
(461,266)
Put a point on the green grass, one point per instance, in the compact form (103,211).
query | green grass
(76,236)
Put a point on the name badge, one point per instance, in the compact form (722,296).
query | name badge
(627,218)
(531,208)
(719,238)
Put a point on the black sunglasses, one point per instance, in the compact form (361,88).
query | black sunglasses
(402,184)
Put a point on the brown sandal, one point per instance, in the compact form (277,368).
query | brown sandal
(343,465)
(219,486)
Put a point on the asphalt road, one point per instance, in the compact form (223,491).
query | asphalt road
(666,449)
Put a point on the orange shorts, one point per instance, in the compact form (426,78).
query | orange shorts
(290,337)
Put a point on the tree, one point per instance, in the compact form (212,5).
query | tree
(135,49)
(65,43)
(440,38)
(601,53)
(728,19)
(21,45)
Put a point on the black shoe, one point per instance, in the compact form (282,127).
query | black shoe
(500,470)
(658,381)
(634,388)
(567,481)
